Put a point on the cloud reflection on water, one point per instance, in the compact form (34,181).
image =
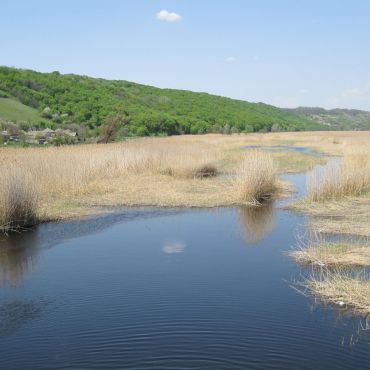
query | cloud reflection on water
(176,247)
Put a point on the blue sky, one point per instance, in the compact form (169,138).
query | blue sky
(283,52)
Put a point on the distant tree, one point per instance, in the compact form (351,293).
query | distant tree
(110,127)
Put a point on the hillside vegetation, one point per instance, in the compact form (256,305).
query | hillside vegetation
(143,110)
(335,119)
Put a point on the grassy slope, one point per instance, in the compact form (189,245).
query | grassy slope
(13,110)
(89,100)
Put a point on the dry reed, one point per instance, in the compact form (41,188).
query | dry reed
(18,199)
(174,171)
(333,254)
(350,178)
(342,288)
(257,179)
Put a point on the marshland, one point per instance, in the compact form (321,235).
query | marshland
(162,231)
(184,185)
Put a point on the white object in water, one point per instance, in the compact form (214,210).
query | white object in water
(340,303)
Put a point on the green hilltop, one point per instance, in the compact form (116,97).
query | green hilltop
(52,99)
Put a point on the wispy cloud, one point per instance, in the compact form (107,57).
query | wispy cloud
(231,59)
(166,16)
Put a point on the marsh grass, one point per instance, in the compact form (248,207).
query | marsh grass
(207,171)
(341,287)
(257,179)
(18,200)
(350,178)
(342,253)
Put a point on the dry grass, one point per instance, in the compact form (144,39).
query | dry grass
(339,198)
(18,199)
(206,171)
(342,288)
(350,178)
(333,253)
(257,179)
(175,171)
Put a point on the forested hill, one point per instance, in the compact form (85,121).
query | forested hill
(73,99)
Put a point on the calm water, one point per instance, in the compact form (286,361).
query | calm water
(168,289)
(292,148)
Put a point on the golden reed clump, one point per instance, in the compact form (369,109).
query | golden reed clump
(257,179)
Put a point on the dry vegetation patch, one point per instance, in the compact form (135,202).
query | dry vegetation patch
(68,181)
(343,289)
(206,170)
(333,253)
(350,178)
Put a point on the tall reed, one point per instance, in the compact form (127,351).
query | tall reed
(257,179)
(350,178)
(18,200)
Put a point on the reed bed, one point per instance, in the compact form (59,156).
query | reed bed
(208,170)
(42,183)
(350,178)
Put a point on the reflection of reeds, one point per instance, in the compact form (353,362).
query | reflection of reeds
(256,221)
(18,256)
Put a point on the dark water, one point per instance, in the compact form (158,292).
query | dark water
(168,289)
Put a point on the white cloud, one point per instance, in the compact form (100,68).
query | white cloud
(230,59)
(166,16)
